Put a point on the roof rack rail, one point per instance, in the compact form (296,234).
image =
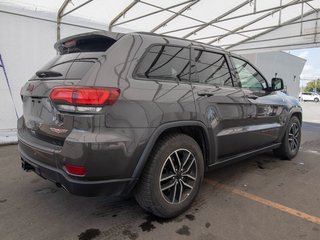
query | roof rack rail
(182,39)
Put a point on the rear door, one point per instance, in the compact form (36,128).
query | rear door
(219,101)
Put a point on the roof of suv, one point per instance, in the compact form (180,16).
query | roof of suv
(117,36)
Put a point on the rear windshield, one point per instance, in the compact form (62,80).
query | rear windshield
(76,57)
(70,66)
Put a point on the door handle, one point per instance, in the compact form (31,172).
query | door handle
(252,96)
(205,94)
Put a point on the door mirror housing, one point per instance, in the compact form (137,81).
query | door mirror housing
(277,84)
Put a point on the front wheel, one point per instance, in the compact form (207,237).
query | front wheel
(291,141)
(316,100)
(172,176)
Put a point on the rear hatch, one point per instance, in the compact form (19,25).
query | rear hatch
(76,57)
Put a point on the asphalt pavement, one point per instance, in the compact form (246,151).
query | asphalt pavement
(259,198)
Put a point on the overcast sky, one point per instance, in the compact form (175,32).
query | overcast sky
(312,67)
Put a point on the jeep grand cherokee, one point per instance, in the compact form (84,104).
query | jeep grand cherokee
(114,114)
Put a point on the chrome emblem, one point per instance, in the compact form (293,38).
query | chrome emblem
(58,130)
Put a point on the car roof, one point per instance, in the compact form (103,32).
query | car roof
(172,40)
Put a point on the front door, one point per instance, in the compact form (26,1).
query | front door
(264,109)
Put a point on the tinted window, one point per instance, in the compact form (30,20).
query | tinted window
(212,68)
(80,67)
(71,66)
(249,77)
(165,62)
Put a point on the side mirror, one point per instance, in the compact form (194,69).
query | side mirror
(277,84)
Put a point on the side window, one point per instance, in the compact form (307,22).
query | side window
(165,62)
(212,68)
(249,77)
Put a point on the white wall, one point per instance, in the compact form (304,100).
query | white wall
(25,45)
(285,65)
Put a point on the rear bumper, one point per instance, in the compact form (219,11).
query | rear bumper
(114,187)
(109,156)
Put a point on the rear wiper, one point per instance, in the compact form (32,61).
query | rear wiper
(44,74)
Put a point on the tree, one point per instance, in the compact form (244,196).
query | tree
(312,85)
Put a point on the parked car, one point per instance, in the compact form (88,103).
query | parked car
(309,96)
(146,114)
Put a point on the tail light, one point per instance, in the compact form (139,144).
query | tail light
(83,99)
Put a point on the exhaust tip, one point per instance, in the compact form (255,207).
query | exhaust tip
(26,166)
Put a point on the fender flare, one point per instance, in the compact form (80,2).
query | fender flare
(294,110)
(154,137)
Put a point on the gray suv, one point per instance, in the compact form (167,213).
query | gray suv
(145,114)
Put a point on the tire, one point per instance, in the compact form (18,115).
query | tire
(158,190)
(316,100)
(290,144)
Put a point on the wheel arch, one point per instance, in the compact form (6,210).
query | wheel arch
(296,111)
(195,129)
(298,115)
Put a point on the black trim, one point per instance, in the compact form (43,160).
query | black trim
(113,187)
(241,156)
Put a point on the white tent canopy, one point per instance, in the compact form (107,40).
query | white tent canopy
(30,28)
(237,25)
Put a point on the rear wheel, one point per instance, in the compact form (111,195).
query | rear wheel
(291,141)
(316,100)
(172,176)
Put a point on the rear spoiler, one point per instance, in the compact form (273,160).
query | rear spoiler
(88,42)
